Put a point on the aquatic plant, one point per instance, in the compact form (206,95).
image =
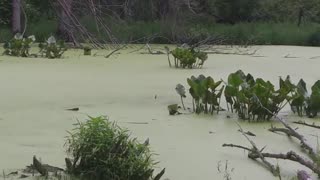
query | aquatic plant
(19,46)
(188,58)
(205,92)
(302,102)
(52,48)
(101,150)
(182,92)
(247,95)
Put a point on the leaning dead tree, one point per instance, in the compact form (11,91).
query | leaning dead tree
(256,153)
(71,28)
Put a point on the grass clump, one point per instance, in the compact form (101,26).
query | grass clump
(100,149)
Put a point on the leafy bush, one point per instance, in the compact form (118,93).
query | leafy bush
(249,97)
(101,150)
(188,58)
(52,49)
(19,46)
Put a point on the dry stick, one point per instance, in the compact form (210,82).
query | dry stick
(306,124)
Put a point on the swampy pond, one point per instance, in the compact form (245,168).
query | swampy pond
(134,90)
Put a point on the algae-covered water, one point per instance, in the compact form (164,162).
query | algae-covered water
(134,90)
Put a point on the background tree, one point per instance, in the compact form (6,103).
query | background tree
(16,16)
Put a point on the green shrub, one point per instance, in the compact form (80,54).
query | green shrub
(101,150)
(19,46)
(52,48)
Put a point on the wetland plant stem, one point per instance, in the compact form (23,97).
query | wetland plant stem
(182,103)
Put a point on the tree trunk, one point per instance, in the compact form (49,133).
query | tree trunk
(300,16)
(65,25)
(16,16)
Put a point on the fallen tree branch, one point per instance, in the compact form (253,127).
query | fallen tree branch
(232,53)
(259,154)
(290,131)
(116,50)
(291,155)
(150,51)
(306,124)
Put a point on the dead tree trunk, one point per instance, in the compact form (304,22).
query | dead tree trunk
(16,16)
(65,27)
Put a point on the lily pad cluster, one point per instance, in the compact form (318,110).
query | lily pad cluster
(252,98)
(19,46)
(52,48)
(188,58)
(300,100)
(206,94)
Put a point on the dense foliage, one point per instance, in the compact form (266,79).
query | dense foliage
(101,150)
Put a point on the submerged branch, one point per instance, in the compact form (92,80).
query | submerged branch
(259,154)
(289,131)
(306,124)
(291,155)
(116,50)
